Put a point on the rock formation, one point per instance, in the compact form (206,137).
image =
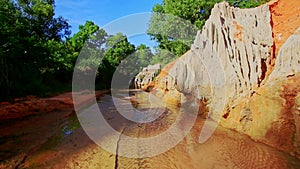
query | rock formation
(247,68)
(146,76)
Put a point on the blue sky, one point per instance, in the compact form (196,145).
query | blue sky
(109,13)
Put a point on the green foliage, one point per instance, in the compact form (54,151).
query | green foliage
(246,3)
(29,33)
(90,55)
(134,62)
(86,42)
(38,56)
(85,32)
(174,23)
(117,49)
(144,55)
(162,57)
(39,15)
(189,9)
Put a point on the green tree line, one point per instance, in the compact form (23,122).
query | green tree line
(38,53)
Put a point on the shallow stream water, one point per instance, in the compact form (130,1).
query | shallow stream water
(53,141)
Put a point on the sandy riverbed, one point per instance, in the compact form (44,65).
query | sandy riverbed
(56,140)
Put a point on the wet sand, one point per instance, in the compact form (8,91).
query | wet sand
(55,141)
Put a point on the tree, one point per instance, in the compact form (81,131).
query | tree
(174,23)
(134,63)
(90,43)
(162,57)
(246,3)
(85,32)
(144,56)
(40,17)
(194,11)
(26,29)
(88,38)
(118,48)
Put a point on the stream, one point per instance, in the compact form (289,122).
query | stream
(55,140)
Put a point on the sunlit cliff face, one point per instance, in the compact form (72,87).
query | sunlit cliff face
(259,54)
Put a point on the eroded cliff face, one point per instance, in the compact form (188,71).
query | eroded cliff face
(146,76)
(246,67)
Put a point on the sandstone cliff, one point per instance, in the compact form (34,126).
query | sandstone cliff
(146,76)
(245,64)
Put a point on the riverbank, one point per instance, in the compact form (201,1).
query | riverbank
(32,105)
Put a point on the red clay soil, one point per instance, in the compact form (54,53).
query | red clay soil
(285,20)
(239,31)
(164,72)
(281,134)
(31,105)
